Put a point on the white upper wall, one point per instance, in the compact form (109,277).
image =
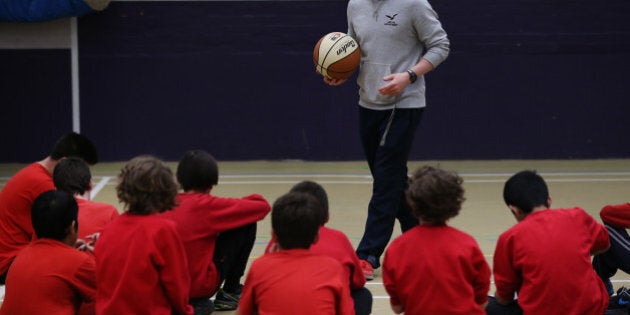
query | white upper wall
(43,35)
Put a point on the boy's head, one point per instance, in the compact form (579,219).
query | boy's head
(317,191)
(197,171)
(526,190)
(146,185)
(72,175)
(295,220)
(435,195)
(54,216)
(74,144)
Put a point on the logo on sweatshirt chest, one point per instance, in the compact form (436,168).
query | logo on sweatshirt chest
(390,19)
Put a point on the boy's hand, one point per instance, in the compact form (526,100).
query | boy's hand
(88,243)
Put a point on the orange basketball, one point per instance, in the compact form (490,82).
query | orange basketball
(337,55)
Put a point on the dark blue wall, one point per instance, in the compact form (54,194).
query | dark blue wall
(35,102)
(526,79)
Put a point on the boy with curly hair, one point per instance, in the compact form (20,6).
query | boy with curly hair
(432,265)
(141,265)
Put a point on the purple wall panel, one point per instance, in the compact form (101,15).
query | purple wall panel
(35,102)
(526,79)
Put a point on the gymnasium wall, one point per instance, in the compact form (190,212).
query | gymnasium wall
(526,79)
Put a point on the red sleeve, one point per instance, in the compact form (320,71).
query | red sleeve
(357,278)
(345,304)
(598,232)
(481,282)
(388,279)
(231,213)
(616,215)
(506,279)
(172,266)
(85,284)
(246,305)
(85,279)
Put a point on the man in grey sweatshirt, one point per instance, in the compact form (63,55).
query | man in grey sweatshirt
(400,41)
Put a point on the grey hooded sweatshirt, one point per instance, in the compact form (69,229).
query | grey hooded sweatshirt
(393,35)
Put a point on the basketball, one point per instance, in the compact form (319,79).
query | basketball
(336,55)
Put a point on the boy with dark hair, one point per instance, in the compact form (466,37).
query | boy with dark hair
(535,257)
(16,198)
(73,176)
(49,276)
(141,262)
(316,284)
(218,233)
(336,244)
(434,268)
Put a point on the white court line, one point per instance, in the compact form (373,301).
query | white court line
(297,175)
(463,174)
(96,189)
(282,182)
(381,297)
(470,181)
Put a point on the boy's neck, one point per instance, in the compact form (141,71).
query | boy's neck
(199,191)
(49,164)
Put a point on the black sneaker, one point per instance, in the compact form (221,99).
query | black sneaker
(621,300)
(225,301)
(202,306)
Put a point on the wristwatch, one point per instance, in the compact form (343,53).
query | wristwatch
(412,76)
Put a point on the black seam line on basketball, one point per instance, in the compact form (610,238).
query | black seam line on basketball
(329,50)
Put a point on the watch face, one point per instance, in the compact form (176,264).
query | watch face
(412,76)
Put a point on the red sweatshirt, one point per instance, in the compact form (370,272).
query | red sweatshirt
(94,216)
(16,199)
(141,268)
(616,215)
(336,244)
(296,281)
(536,256)
(200,218)
(436,270)
(49,277)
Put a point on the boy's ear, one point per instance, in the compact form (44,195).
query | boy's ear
(518,214)
(72,229)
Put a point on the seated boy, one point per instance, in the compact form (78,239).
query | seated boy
(218,233)
(16,198)
(291,279)
(434,268)
(49,276)
(616,219)
(73,176)
(141,262)
(336,244)
(536,257)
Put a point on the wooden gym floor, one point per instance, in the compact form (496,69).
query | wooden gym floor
(590,184)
